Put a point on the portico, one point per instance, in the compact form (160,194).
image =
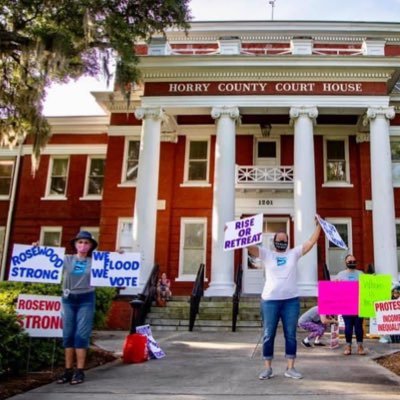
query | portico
(302,111)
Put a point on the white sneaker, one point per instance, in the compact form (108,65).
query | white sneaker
(292,373)
(266,374)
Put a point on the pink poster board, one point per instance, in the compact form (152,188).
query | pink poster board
(338,297)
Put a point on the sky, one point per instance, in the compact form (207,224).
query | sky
(74,98)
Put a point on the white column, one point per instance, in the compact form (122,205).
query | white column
(222,268)
(145,210)
(383,213)
(304,195)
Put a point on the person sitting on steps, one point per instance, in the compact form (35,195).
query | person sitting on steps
(163,290)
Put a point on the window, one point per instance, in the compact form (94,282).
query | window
(197,165)
(58,175)
(6,173)
(192,247)
(125,235)
(93,230)
(395,149)
(50,236)
(335,255)
(131,163)
(266,152)
(95,177)
(336,155)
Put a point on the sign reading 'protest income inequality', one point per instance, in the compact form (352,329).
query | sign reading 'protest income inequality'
(114,269)
(42,264)
(243,233)
(388,317)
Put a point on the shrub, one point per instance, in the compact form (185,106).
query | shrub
(9,292)
(16,346)
(13,344)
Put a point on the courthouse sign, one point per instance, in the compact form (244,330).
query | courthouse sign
(263,88)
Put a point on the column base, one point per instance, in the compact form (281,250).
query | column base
(220,290)
(308,289)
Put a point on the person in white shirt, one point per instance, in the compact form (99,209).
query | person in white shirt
(280,297)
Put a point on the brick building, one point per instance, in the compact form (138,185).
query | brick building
(233,119)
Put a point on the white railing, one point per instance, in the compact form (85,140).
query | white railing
(266,51)
(264,176)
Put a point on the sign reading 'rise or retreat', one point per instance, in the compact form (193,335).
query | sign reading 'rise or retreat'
(263,88)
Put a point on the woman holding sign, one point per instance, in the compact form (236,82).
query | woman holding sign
(78,303)
(352,322)
(280,297)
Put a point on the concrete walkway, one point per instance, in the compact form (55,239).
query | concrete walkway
(222,366)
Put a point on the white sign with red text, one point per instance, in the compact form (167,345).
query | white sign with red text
(41,315)
(388,317)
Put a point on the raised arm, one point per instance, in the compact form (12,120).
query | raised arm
(308,245)
(254,251)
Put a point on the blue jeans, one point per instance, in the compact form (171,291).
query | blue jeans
(288,311)
(350,322)
(78,313)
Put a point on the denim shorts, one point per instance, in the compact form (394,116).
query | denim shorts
(78,314)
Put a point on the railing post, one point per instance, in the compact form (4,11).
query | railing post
(137,311)
(141,303)
(236,297)
(197,293)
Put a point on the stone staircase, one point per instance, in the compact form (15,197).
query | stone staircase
(215,314)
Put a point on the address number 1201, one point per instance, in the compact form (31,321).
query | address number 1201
(265,202)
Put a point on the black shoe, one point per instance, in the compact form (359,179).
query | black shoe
(306,344)
(65,377)
(319,344)
(78,377)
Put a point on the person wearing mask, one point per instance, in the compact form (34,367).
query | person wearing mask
(280,297)
(78,304)
(352,322)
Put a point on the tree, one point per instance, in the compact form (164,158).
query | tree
(44,41)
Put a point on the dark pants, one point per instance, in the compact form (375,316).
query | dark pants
(353,322)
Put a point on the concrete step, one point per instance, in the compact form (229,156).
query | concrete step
(215,314)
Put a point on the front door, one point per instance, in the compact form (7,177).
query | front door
(253,275)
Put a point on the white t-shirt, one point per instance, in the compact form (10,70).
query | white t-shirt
(280,273)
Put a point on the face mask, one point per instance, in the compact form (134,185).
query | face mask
(281,245)
(83,247)
(351,265)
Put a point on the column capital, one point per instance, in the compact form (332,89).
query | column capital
(304,111)
(155,113)
(375,112)
(231,112)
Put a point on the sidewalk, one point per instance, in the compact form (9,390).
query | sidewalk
(222,366)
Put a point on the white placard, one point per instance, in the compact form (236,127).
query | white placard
(155,350)
(114,269)
(243,232)
(331,233)
(42,264)
(41,315)
(388,317)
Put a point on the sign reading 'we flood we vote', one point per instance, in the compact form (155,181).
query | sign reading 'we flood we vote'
(115,269)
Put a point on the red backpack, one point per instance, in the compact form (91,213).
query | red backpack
(135,349)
